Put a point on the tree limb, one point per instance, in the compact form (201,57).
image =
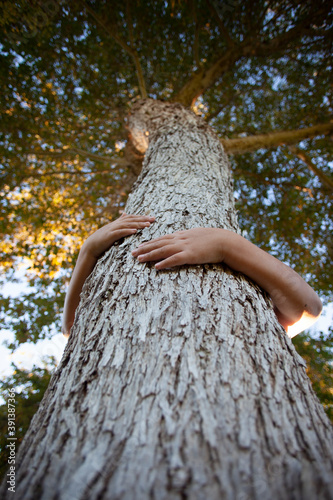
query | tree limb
(205,78)
(92,156)
(282,186)
(196,57)
(129,49)
(81,152)
(274,139)
(135,56)
(250,47)
(214,8)
(66,172)
(108,29)
(307,160)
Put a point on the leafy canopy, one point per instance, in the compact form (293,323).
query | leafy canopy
(70,73)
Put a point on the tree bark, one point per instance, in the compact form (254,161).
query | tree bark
(179,383)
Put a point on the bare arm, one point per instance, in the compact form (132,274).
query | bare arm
(296,304)
(90,252)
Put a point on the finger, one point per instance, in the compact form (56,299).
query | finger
(159,253)
(177,259)
(129,228)
(130,224)
(133,224)
(149,246)
(165,237)
(161,240)
(121,233)
(139,217)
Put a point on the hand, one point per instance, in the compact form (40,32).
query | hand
(104,238)
(195,246)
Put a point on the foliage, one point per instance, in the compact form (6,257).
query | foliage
(29,389)
(317,353)
(69,75)
(33,316)
(66,88)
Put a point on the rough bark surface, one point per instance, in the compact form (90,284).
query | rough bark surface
(179,383)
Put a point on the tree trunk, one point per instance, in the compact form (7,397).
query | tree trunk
(179,383)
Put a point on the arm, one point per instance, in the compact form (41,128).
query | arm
(90,252)
(296,304)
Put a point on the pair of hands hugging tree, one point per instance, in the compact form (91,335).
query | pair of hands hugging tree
(296,304)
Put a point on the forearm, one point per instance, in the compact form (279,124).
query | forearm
(84,266)
(97,243)
(295,302)
(293,298)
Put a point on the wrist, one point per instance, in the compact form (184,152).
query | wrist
(227,245)
(87,252)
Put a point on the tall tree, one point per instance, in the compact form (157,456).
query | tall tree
(176,383)
(260,74)
(258,70)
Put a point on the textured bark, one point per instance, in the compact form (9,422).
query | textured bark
(179,383)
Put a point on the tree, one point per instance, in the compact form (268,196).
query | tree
(63,115)
(252,71)
(172,380)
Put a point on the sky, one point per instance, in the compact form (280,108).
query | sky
(29,354)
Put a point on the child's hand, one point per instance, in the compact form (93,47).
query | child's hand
(104,238)
(195,246)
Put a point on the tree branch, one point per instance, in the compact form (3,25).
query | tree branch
(135,56)
(81,152)
(129,49)
(205,78)
(65,172)
(108,29)
(196,57)
(274,139)
(282,186)
(250,47)
(284,39)
(214,8)
(92,156)
(307,160)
